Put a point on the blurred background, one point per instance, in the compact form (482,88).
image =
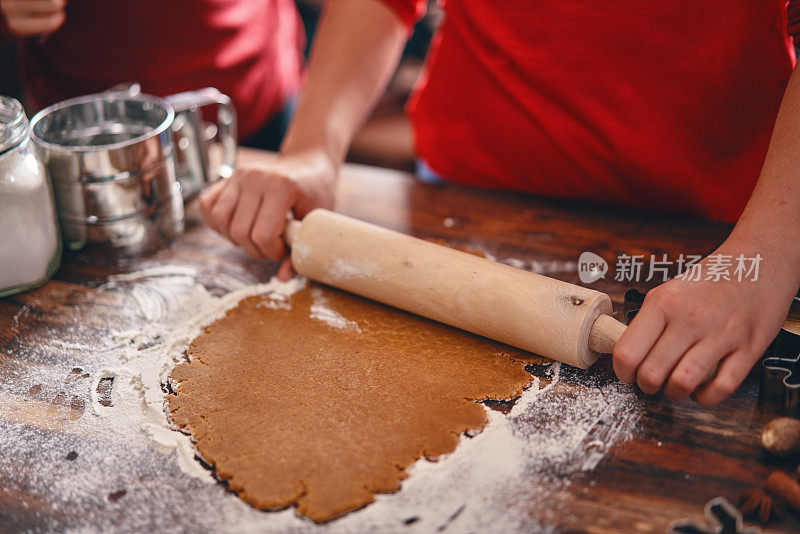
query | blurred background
(385,139)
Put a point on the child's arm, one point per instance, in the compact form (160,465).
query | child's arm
(355,52)
(685,329)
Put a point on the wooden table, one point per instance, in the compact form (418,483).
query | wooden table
(678,457)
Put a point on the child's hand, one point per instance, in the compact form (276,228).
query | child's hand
(686,328)
(250,207)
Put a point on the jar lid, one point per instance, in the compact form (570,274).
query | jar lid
(13,123)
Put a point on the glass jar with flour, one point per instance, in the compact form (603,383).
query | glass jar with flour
(30,244)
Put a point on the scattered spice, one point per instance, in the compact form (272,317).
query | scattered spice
(781,437)
(785,487)
(758,503)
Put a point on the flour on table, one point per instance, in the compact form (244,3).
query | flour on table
(489,482)
(515,262)
(177,309)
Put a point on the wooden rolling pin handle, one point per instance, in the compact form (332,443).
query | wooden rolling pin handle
(605,333)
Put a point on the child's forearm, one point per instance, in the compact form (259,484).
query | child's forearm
(772,216)
(356,50)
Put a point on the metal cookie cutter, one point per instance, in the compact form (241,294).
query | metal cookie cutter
(780,377)
(632,303)
(721,517)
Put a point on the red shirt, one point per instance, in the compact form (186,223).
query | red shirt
(248,49)
(660,104)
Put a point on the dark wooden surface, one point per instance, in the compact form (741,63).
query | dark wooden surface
(679,457)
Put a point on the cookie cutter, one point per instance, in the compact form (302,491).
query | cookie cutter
(780,377)
(632,302)
(721,517)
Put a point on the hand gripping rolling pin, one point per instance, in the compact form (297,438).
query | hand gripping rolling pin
(568,323)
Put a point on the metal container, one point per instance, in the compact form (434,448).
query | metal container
(119,177)
(780,377)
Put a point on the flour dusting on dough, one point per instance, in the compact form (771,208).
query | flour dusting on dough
(177,309)
(321,311)
(491,482)
(275,301)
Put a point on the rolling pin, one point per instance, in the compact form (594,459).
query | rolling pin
(562,321)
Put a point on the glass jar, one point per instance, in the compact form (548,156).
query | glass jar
(30,244)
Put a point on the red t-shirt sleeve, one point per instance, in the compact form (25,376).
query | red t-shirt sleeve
(793,20)
(408,11)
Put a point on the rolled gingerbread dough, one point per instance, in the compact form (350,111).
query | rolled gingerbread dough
(323,400)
